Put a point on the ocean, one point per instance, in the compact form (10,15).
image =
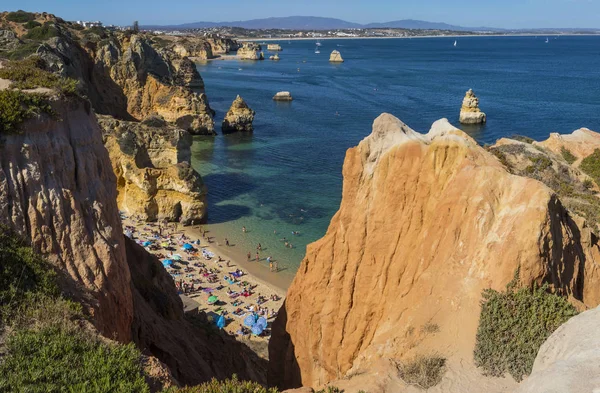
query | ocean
(287,176)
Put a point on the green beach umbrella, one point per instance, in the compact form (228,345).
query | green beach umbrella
(212,299)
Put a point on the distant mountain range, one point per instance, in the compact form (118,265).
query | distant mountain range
(319,23)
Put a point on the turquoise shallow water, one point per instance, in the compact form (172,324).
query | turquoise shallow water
(287,176)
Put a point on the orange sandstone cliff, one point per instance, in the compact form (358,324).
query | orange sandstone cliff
(425,224)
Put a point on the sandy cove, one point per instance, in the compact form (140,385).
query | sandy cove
(198,277)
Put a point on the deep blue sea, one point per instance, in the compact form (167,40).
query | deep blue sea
(287,175)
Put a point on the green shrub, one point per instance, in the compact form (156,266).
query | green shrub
(30,73)
(31,24)
(20,16)
(587,183)
(514,324)
(591,166)
(54,358)
(16,107)
(567,155)
(22,51)
(232,385)
(23,273)
(423,371)
(521,138)
(42,33)
(539,164)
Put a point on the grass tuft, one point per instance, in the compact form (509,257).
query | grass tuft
(567,155)
(423,371)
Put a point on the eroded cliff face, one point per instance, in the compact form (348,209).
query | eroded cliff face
(57,188)
(151,161)
(127,77)
(425,224)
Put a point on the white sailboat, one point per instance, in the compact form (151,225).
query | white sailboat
(318,43)
(455,42)
(317,51)
(546,40)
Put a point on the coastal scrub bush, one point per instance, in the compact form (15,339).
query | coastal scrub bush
(22,51)
(591,166)
(51,358)
(423,371)
(524,139)
(232,385)
(20,16)
(42,33)
(539,164)
(514,324)
(567,155)
(23,273)
(30,73)
(31,24)
(16,107)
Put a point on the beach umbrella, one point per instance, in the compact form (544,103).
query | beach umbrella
(164,244)
(257,330)
(221,322)
(249,320)
(177,257)
(167,262)
(188,246)
(212,299)
(147,243)
(261,322)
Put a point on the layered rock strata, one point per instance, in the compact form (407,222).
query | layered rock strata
(426,223)
(151,161)
(470,112)
(239,118)
(127,77)
(57,189)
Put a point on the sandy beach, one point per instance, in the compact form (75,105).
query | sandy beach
(210,268)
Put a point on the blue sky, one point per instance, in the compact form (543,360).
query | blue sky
(494,13)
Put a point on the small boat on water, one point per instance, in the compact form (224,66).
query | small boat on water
(455,42)
(318,43)
(317,51)
(547,40)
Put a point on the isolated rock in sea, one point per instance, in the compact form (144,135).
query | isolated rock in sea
(274,57)
(470,112)
(238,118)
(283,96)
(569,360)
(426,223)
(250,51)
(152,164)
(336,57)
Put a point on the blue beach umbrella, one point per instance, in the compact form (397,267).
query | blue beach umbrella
(147,243)
(249,320)
(167,262)
(261,322)
(188,246)
(221,322)
(257,330)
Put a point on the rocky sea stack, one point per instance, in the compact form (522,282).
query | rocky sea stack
(336,57)
(283,96)
(470,112)
(239,118)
